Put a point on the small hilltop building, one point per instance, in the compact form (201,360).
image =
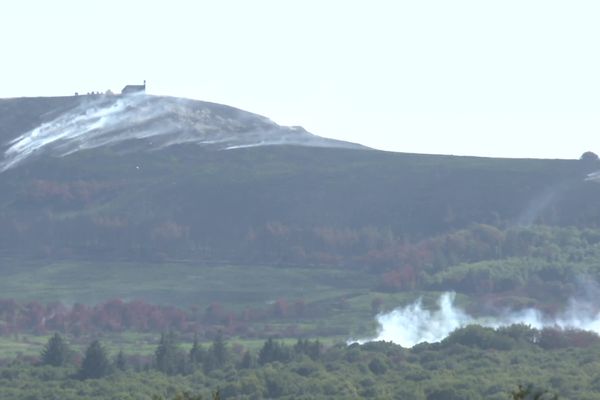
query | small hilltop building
(134,89)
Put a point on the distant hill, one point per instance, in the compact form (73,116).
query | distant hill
(64,125)
(154,178)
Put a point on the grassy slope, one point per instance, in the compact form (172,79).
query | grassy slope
(177,284)
(344,297)
(220,196)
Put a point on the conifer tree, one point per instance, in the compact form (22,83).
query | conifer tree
(247,361)
(315,350)
(218,351)
(166,355)
(120,362)
(273,351)
(311,349)
(217,355)
(197,353)
(95,363)
(56,352)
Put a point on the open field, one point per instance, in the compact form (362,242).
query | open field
(343,298)
(178,284)
(185,285)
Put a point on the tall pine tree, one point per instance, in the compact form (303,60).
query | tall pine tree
(167,356)
(120,361)
(218,350)
(273,351)
(217,355)
(95,364)
(56,352)
(197,353)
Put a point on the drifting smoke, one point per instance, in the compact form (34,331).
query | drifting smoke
(158,122)
(594,177)
(411,325)
(541,203)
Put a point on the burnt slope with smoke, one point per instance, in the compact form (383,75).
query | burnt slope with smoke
(151,177)
(149,122)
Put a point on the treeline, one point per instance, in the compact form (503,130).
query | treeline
(514,336)
(535,266)
(472,363)
(479,259)
(138,316)
(540,261)
(170,359)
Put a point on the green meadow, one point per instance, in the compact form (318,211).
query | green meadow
(340,300)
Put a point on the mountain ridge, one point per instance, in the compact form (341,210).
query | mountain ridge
(77,123)
(265,203)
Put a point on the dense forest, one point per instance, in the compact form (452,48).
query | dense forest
(472,363)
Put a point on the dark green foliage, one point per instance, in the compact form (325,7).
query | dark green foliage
(450,393)
(182,396)
(120,361)
(95,363)
(378,366)
(273,351)
(217,355)
(521,333)
(56,352)
(372,371)
(167,356)
(218,350)
(197,352)
(247,361)
(311,349)
(550,338)
(511,337)
(478,336)
(530,393)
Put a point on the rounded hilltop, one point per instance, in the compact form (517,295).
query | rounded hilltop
(59,126)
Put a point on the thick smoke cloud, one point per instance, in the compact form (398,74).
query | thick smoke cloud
(158,121)
(411,325)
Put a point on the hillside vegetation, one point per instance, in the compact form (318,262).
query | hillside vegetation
(82,227)
(473,363)
(284,205)
(137,243)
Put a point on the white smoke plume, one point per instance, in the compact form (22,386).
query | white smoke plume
(411,325)
(541,203)
(157,121)
(594,177)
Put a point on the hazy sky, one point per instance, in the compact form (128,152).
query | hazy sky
(483,77)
